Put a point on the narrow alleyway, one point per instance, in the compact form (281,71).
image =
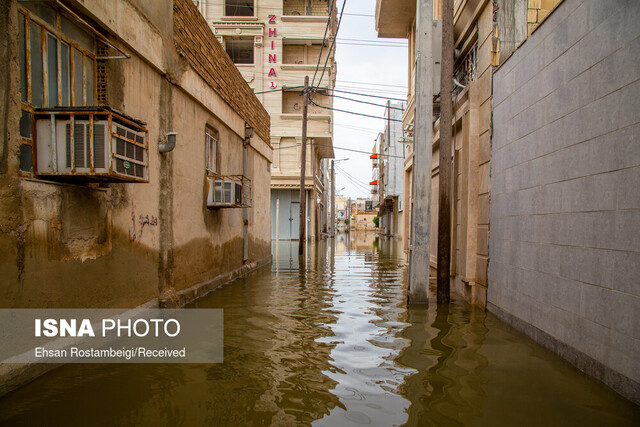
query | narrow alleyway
(332,342)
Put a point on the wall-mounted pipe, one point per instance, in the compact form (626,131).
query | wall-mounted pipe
(168,146)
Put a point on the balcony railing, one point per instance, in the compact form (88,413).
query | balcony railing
(468,69)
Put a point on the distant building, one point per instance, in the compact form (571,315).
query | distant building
(134,159)
(391,175)
(275,44)
(362,214)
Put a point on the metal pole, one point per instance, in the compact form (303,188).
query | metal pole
(313,217)
(446,117)
(303,168)
(333,200)
(245,212)
(422,146)
(277,220)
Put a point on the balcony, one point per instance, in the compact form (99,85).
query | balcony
(394,17)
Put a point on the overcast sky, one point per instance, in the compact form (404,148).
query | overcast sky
(379,70)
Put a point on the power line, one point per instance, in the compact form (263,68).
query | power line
(293,88)
(370,90)
(333,43)
(391,156)
(353,178)
(354,113)
(363,102)
(357,151)
(359,185)
(357,128)
(360,14)
(278,90)
(374,41)
(371,96)
(352,150)
(371,45)
(322,46)
(373,84)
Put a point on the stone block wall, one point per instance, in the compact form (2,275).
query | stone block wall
(564,244)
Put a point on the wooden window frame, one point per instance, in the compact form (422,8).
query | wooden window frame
(211,147)
(45,30)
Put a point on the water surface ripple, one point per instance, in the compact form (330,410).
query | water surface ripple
(328,340)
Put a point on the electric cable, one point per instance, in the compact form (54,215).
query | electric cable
(363,102)
(354,113)
(370,96)
(353,179)
(341,148)
(323,40)
(344,3)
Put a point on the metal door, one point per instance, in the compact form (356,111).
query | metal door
(294,215)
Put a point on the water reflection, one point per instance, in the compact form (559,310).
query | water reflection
(327,339)
(366,338)
(444,352)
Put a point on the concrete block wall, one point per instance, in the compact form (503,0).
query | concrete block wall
(564,244)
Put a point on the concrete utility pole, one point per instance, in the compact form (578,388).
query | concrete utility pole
(446,118)
(332,225)
(313,217)
(303,168)
(422,142)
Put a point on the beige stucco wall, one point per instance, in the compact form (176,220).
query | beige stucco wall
(122,244)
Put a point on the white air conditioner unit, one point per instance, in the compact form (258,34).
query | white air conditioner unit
(72,150)
(223,192)
(69,144)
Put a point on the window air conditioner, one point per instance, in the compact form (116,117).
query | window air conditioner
(223,193)
(73,150)
(106,150)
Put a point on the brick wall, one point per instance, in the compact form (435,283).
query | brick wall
(537,11)
(564,244)
(195,41)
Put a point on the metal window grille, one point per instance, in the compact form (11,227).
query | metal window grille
(468,69)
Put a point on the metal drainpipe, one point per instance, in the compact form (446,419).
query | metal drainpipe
(245,212)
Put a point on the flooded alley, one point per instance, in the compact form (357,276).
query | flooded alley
(330,342)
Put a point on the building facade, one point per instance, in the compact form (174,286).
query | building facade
(134,157)
(363,212)
(545,155)
(275,44)
(391,176)
(473,35)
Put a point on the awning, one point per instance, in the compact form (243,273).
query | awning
(374,156)
(374,182)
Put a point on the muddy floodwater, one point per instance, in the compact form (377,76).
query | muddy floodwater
(330,341)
